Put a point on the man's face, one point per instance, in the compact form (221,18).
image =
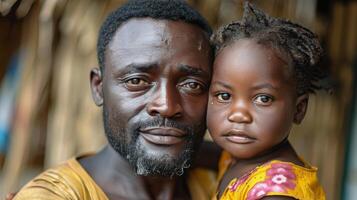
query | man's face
(154,90)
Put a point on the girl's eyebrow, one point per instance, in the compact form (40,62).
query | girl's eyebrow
(222,84)
(264,85)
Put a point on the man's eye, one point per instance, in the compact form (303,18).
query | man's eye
(223,97)
(193,87)
(263,99)
(136,83)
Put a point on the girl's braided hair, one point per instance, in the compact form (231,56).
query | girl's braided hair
(300,44)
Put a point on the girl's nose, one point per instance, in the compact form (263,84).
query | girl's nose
(240,114)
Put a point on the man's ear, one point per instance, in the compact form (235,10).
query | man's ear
(301,107)
(96,84)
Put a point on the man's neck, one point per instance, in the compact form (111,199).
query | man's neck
(115,177)
(160,187)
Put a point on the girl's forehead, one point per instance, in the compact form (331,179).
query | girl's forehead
(257,48)
(248,56)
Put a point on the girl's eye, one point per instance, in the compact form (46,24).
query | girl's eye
(223,97)
(263,100)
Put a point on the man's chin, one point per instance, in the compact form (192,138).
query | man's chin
(148,166)
(158,163)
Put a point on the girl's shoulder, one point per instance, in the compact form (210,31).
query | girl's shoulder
(276,178)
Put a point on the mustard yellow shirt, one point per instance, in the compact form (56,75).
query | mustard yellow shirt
(71,182)
(273,178)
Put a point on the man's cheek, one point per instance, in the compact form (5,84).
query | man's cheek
(195,105)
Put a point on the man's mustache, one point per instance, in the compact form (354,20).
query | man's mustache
(163,122)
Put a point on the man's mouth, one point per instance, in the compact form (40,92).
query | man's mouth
(163,135)
(238,137)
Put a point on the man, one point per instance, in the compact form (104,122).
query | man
(155,68)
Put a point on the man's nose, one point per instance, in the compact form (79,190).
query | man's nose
(165,102)
(240,113)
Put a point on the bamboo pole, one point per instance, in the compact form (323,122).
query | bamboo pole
(26,105)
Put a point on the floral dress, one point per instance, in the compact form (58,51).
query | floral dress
(270,179)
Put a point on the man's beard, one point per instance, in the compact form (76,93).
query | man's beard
(125,142)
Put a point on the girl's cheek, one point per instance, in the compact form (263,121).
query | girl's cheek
(212,117)
(216,116)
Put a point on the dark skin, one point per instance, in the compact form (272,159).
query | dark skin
(209,162)
(120,182)
(252,105)
(153,68)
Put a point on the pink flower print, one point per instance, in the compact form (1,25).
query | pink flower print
(278,178)
(234,186)
(281,181)
(240,180)
(281,168)
(281,174)
(258,191)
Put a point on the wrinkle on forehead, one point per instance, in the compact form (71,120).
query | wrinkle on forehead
(153,37)
(137,33)
(156,32)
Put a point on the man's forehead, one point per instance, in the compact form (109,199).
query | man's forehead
(141,32)
(134,32)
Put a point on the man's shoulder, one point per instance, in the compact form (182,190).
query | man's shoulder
(60,182)
(66,181)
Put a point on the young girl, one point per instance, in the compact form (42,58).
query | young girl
(263,73)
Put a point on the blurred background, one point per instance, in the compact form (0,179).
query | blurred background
(47,48)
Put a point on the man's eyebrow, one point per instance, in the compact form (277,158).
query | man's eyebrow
(190,70)
(139,67)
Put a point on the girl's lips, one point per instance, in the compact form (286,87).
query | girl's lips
(238,137)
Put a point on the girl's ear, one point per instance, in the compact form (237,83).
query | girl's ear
(301,107)
(96,84)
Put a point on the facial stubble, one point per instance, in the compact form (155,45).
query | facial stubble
(125,141)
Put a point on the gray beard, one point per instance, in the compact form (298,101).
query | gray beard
(159,165)
(147,164)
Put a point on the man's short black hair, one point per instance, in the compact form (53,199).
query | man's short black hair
(156,9)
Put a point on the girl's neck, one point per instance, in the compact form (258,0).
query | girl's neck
(240,167)
(282,151)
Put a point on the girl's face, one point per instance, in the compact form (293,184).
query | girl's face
(252,99)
